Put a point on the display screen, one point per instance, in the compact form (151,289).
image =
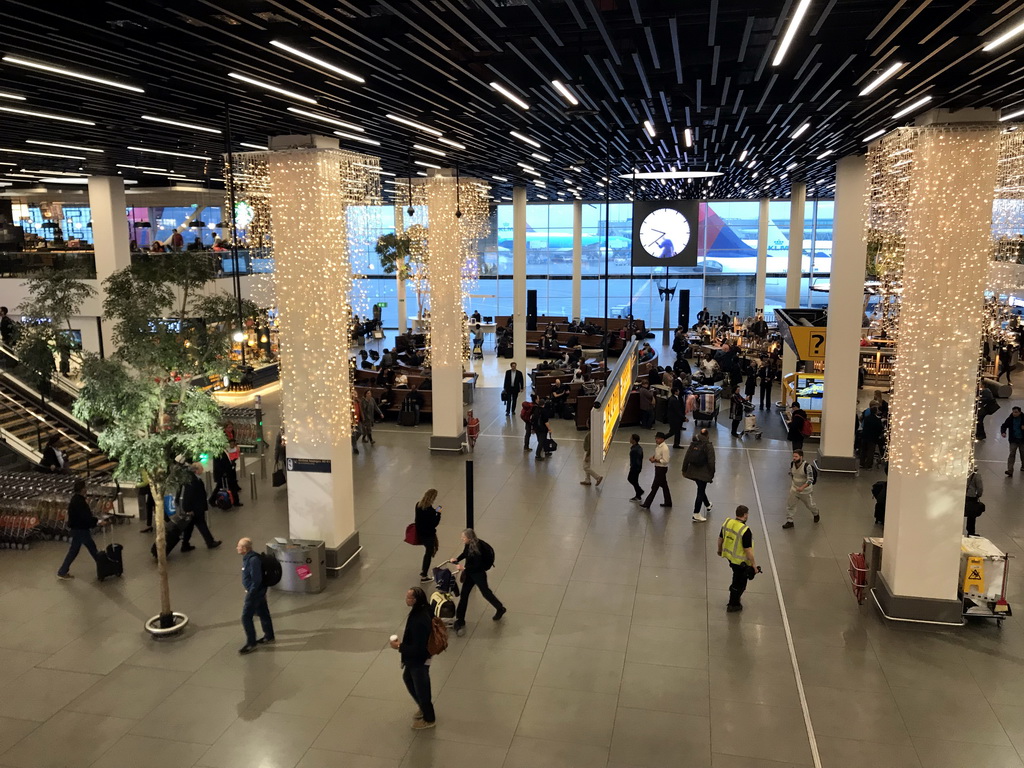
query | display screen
(665,233)
(615,394)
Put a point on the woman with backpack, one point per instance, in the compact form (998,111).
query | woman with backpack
(415,653)
(427,520)
(699,466)
(798,423)
(479,557)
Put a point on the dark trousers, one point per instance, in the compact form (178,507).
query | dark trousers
(510,404)
(735,426)
(660,481)
(739,582)
(79,539)
(798,443)
(256,605)
(526,437)
(867,453)
(675,432)
(417,681)
(766,396)
(647,419)
(979,432)
(702,497)
(971,520)
(474,580)
(633,477)
(146,498)
(430,549)
(542,442)
(198,521)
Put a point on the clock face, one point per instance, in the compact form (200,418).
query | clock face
(664,232)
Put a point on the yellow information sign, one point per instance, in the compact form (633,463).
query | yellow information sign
(809,341)
(974,576)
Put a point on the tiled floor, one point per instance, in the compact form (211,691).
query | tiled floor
(616,651)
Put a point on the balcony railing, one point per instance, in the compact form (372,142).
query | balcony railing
(23,263)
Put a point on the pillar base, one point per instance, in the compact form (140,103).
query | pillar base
(338,557)
(837,464)
(924,610)
(441,443)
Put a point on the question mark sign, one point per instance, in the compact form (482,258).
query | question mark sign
(818,339)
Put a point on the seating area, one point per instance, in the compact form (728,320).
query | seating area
(543,383)
(367,381)
(569,338)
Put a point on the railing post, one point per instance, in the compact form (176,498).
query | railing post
(39,438)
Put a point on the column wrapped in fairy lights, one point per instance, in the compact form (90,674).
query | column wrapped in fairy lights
(457,220)
(931,196)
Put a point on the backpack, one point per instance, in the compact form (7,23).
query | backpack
(271,569)
(807,428)
(526,412)
(811,472)
(486,555)
(443,605)
(438,640)
(697,457)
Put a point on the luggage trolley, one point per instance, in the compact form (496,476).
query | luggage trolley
(709,402)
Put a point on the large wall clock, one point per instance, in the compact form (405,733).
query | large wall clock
(665,233)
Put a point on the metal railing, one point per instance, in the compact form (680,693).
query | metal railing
(24,263)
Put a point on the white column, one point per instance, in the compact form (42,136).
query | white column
(447,332)
(762,253)
(845,310)
(948,237)
(797,204)
(577,259)
(308,210)
(111,236)
(403,315)
(519,275)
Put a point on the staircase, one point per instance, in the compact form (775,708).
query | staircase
(27,421)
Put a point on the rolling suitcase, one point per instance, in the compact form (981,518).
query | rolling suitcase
(109,561)
(172,532)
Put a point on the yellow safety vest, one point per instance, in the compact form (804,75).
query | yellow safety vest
(732,540)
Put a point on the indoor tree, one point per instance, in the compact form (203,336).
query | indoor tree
(405,254)
(168,331)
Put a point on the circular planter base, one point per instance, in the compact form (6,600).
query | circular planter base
(179,620)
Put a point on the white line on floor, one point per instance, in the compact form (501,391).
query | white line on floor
(785,622)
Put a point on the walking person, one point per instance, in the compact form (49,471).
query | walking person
(872,433)
(795,435)
(368,413)
(986,406)
(636,463)
(973,505)
(1013,430)
(660,461)
(541,429)
(801,488)
(736,544)
(427,519)
(193,502)
(415,656)
(587,471)
(699,466)
(526,414)
(646,397)
(80,524)
(736,404)
(479,557)
(255,599)
(766,376)
(675,410)
(511,387)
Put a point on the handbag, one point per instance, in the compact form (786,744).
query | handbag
(504,396)
(278,478)
(411,536)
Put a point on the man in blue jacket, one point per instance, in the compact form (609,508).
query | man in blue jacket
(1013,430)
(255,598)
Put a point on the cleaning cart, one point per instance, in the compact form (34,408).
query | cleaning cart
(984,569)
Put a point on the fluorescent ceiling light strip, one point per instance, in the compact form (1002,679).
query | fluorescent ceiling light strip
(800,131)
(252,146)
(499,178)
(530,171)
(1013,32)
(171,154)
(688,137)
(874,135)
(509,95)
(824,154)
(46,115)
(889,72)
(649,128)
(542,158)
(413,124)
(269,87)
(566,93)
(140,167)
(71,73)
(451,143)
(524,139)
(527,167)
(1012,115)
(326,119)
(318,62)
(14,96)
(44,172)
(743,155)
(39,154)
(161,173)
(911,107)
(180,178)
(426,164)
(190,126)
(63,146)
(353,137)
(10,164)
(790,33)
(431,150)
(539,183)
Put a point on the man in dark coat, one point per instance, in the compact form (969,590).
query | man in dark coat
(676,412)
(511,388)
(699,466)
(193,501)
(80,524)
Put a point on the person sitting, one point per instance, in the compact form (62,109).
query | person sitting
(475,317)
(413,402)
(401,381)
(589,386)
(647,353)
(387,359)
(560,399)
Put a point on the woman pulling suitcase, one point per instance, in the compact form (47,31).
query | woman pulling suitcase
(479,557)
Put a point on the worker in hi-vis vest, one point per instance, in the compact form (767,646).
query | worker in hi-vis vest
(736,544)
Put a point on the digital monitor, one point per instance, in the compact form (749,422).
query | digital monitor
(665,233)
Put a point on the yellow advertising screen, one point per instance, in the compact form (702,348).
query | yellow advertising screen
(615,399)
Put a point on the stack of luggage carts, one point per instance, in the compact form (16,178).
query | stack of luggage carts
(34,506)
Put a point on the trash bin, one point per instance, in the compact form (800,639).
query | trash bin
(303,564)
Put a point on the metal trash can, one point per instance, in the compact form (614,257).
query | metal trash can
(303,564)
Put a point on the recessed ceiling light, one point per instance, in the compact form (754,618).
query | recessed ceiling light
(791,166)
(790,33)
(315,60)
(743,155)
(525,139)
(499,178)
(824,154)
(353,137)
(688,137)
(1012,32)
(39,154)
(649,128)
(542,158)
(46,115)
(191,126)
(891,70)
(326,119)
(13,96)
(874,135)
(1018,113)
(430,150)
(172,154)
(566,93)
(426,164)
(509,95)
(252,146)
(270,87)
(531,171)
(911,107)
(63,146)
(64,180)
(140,167)
(451,143)
(671,175)
(800,131)
(414,124)
(70,73)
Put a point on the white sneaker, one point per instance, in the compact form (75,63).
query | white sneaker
(699,519)
(709,506)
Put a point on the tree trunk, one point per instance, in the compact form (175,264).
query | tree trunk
(166,616)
